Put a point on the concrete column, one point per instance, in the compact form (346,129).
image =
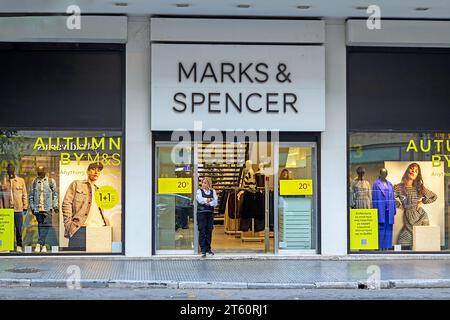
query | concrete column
(334,144)
(138,217)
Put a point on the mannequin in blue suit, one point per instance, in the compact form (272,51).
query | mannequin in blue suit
(383,199)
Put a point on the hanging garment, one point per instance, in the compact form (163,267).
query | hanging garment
(260,179)
(253,208)
(248,211)
(250,205)
(223,199)
(232,212)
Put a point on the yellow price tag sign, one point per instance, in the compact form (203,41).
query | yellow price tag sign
(6,229)
(175,185)
(296,187)
(106,197)
(363,229)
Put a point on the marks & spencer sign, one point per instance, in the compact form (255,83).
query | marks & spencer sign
(231,87)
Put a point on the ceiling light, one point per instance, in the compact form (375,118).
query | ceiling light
(303,7)
(243,6)
(421,9)
(361,8)
(121,4)
(182,5)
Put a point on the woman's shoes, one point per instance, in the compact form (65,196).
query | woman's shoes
(209,254)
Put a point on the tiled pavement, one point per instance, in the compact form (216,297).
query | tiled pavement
(232,273)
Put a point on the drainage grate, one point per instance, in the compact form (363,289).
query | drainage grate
(23,270)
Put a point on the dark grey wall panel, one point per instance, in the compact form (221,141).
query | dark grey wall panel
(61,86)
(403,89)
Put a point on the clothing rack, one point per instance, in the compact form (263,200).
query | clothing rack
(253,237)
(235,230)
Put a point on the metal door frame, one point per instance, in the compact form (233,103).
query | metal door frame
(169,144)
(276,146)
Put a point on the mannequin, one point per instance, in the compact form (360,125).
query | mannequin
(249,175)
(360,191)
(383,199)
(260,175)
(14,196)
(43,202)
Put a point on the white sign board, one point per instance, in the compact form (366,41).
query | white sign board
(229,87)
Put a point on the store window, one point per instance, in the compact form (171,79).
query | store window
(398,149)
(61,191)
(297,196)
(61,148)
(398,191)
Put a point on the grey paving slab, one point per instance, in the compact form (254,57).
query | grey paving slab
(258,273)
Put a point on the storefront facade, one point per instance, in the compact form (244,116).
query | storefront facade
(216,110)
(269,109)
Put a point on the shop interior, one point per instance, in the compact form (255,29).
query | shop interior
(243,177)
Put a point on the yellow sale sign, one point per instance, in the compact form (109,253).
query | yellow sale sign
(6,229)
(175,185)
(363,229)
(296,187)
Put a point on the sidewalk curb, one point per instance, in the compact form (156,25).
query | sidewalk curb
(135,284)
(154,284)
(56,283)
(337,285)
(419,283)
(211,285)
(15,283)
(265,285)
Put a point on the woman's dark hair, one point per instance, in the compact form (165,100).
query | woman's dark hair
(418,182)
(284,170)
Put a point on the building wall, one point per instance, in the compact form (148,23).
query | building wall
(334,144)
(138,146)
(138,168)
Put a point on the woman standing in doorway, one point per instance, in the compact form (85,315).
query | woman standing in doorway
(206,202)
(411,194)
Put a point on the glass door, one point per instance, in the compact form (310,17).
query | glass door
(174,199)
(296,189)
